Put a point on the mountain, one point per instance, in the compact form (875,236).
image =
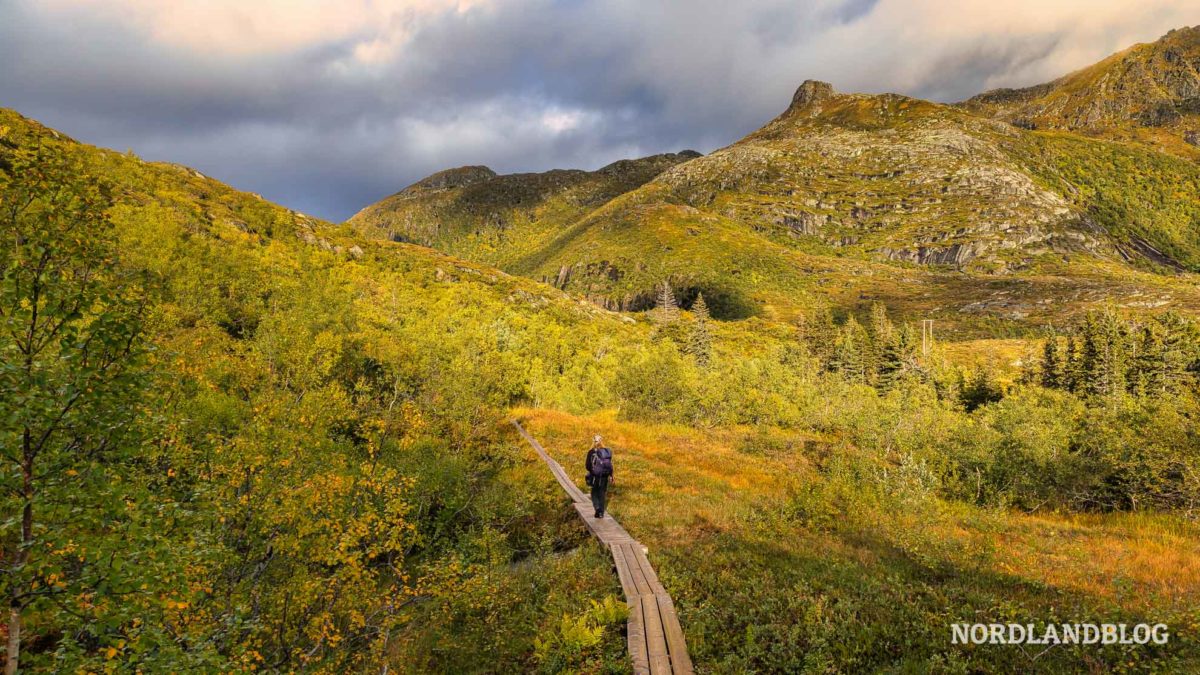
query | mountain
(844,199)
(474,212)
(1149,93)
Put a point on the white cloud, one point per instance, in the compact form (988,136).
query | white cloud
(259,27)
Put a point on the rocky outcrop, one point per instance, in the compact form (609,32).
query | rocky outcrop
(811,93)
(451,178)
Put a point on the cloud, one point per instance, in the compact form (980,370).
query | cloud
(237,28)
(325,106)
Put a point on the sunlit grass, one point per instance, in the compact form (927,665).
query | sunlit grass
(716,509)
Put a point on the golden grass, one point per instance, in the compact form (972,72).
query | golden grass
(676,484)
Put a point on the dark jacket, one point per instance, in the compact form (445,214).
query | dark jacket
(588,463)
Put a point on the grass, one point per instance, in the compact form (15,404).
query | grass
(775,567)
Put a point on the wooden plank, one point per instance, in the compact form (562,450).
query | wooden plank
(636,637)
(676,645)
(606,529)
(656,640)
(639,577)
(644,564)
(623,573)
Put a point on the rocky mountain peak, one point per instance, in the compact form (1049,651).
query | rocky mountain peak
(452,178)
(811,93)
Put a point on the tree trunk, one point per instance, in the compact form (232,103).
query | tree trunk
(15,603)
(14,639)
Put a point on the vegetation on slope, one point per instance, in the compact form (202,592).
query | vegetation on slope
(303,464)
(803,552)
(304,472)
(473,213)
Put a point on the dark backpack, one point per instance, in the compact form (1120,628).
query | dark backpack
(602,462)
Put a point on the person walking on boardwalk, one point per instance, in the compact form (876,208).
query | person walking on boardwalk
(599,474)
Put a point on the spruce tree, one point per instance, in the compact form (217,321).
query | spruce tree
(882,330)
(850,354)
(1177,352)
(1145,373)
(882,339)
(980,390)
(1069,376)
(898,357)
(667,309)
(1051,368)
(1104,354)
(821,335)
(700,340)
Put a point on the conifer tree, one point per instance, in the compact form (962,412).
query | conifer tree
(1051,367)
(980,390)
(898,357)
(850,353)
(882,337)
(821,335)
(667,309)
(700,340)
(1145,372)
(882,330)
(1178,351)
(1069,375)
(1103,354)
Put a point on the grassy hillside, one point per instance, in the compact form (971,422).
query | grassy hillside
(310,476)
(1149,93)
(473,213)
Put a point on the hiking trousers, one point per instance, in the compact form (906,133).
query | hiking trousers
(599,494)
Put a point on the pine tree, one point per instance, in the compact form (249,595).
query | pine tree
(1104,354)
(850,353)
(898,357)
(667,309)
(821,334)
(700,340)
(1069,375)
(1051,367)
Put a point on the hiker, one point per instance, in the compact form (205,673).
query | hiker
(599,473)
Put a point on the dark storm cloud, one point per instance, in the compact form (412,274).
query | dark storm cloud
(328,106)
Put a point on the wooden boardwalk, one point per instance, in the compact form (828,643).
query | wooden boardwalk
(656,643)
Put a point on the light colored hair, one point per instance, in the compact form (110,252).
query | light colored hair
(596,440)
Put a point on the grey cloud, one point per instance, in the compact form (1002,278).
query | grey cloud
(304,129)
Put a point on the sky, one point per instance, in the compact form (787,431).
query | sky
(326,106)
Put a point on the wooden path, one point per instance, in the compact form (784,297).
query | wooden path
(656,642)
